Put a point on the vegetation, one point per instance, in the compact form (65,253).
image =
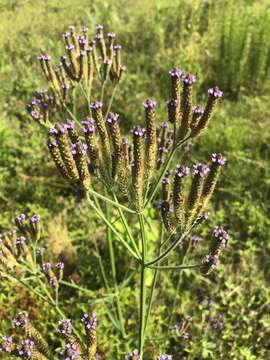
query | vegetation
(225,43)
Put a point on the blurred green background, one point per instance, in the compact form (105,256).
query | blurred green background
(225,43)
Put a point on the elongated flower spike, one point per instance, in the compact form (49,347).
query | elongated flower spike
(96,107)
(173,111)
(7,254)
(21,223)
(165,207)
(79,151)
(88,128)
(71,52)
(176,85)
(22,320)
(56,156)
(218,161)
(60,132)
(106,69)
(90,324)
(196,115)
(113,125)
(178,194)
(65,329)
(34,222)
(138,165)
(93,45)
(90,67)
(219,241)
(214,94)
(111,38)
(72,131)
(100,41)
(151,136)
(74,40)
(199,173)
(188,82)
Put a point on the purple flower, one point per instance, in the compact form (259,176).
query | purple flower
(150,104)
(46,267)
(20,241)
(222,235)
(89,49)
(20,217)
(172,103)
(26,348)
(108,62)
(189,79)
(215,92)
(132,355)
(96,105)
(197,110)
(79,148)
(164,357)
(70,351)
(176,73)
(81,40)
(7,343)
(35,219)
(117,47)
(99,27)
(65,326)
(66,34)
(53,281)
(182,171)
(70,47)
(89,321)
(200,169)
(112,118)
(213,260)
(219,159)
(21,319)
(60,265)
(111,35)
(138,131)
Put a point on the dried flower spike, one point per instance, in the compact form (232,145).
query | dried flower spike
(151,136)
(178,194)
(90,324)
(188,82)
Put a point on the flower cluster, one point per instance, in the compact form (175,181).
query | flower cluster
(54,273)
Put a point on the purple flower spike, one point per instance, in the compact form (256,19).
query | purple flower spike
(21,319)
(96,105)
(215,92)
(176,73)
(182,171)
(150,104)
(164,357)
(197,110)
(222,235)
(200,169)
(219,159)
(46,267)
(189,79)
(112,118)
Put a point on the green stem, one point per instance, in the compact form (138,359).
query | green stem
(180,267)
(107,222)
(142,287)
(111,101)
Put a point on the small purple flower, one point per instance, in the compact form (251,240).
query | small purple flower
(7,344)
(197,110)
(81,40)
(70,47)
(66,34)
(89,321)
(117,47)
(20,217)
(99,27)
(89,49)
(45,267)
(172,103)
(79,148)
(182,171)
(222,235)
(133,355)
(65,326)
(111,35)
(176,73)
(189,79)
(125,141)
(219,159)
(70,351)
(150,104)
(21,319)
(25,349)
(53,281)
(96,105)
(35,219)
(215,92)
(213,260)
(138,131)
(200,169)
(112,118)
(20,241)
(60,265)
(164,357)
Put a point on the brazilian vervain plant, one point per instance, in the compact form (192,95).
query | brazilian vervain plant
(129,174)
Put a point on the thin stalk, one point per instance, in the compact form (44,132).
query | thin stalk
(102,91)
(113,268)
(124,221)
(108,223)
(111,101)
(142,287)
(179,267)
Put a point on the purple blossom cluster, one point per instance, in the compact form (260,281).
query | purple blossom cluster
(150,104)
(89,321)
(133,355)
(189,79)
(176,73)
(88,125)
(65,327)
(70,351)
(164,357)
(35,219)
(182,171)
(197,110)
(46,267)
(112,118)
(218,159)
(25,349)
(79,148)
(221,235)
(213,260)
(21,319)
(96,105)
(215,92)
(7,344)
(138,131)
(200,170)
